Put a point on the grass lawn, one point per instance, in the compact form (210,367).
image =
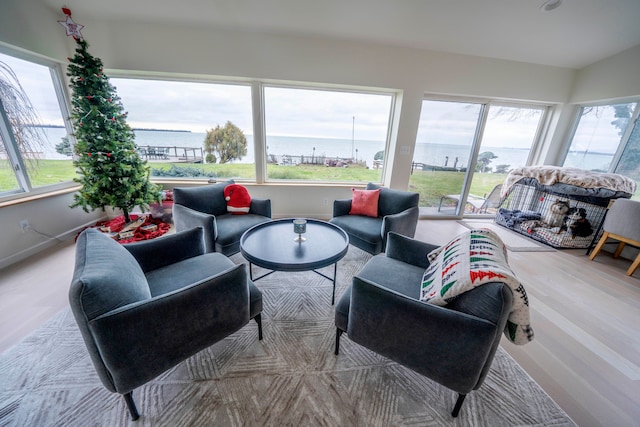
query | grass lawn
(430,184)
(433,185)
(41,172)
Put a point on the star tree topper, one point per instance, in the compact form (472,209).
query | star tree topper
(72,28)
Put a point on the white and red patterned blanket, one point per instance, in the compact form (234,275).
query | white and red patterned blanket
(471,259)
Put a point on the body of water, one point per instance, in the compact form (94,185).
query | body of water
(432,154)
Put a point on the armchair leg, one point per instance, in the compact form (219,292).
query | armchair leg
(258,320)
(458,405)
(338,334)
(128,398)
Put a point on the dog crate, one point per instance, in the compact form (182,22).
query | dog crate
(527,204)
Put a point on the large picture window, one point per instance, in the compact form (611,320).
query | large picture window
(173,119)
(35,150)
(607,139)
(323,135)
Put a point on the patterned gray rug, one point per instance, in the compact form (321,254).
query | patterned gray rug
(291,378)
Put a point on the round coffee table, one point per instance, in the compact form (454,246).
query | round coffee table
(272,245)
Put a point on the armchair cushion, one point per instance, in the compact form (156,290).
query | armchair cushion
(364,232)
(127,283)
(208,199)
(365,202)
(394,201)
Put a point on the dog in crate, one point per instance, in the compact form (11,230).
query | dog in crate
(554,217)
(576,223)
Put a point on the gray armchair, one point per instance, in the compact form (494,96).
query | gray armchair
(397,211)
(206,207)
(144,307)
(452,345)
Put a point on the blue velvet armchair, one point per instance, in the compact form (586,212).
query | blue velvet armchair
(144,307)
(397,211)
(206,207)
(452,345)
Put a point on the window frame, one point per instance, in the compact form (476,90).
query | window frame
(624,138)
(25,187)
(388,146)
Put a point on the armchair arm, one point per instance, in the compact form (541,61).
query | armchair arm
(172,248)
(341,207)
(442,344)
(261,207)
(409,250)
(186,218)
(404,222)
(140,341)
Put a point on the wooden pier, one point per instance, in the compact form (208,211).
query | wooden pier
(171,154)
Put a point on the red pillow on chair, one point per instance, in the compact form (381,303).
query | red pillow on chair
(365,202)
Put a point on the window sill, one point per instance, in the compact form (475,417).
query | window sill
(16,199)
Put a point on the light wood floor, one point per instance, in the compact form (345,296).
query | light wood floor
(586,316)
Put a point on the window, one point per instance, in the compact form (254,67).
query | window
(465,149)
(34,145)
(607,139)
(171,120)
(323,135)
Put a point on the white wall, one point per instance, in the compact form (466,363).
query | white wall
(50,216)
(615,77)
(201,51)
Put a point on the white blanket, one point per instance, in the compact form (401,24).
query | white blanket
(471,259)
(549,175)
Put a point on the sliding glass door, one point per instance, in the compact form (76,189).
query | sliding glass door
(464,150)
(447,135)
(509,135)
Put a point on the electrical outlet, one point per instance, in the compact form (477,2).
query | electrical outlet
(24,225)
(325,202)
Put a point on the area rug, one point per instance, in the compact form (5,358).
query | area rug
(291,378)
(515,242)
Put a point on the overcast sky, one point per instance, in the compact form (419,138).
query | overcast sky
(198,107)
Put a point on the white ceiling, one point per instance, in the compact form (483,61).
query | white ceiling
(578,33)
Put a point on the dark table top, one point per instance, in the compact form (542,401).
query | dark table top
(272,245)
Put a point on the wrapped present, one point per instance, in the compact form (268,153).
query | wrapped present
(126,234)
(149,228)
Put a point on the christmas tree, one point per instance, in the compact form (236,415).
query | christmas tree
(110,169)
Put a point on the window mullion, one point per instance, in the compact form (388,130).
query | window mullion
(259,139)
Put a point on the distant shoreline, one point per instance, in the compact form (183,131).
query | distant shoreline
(142,129)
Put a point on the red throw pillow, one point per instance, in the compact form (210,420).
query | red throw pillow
(365,202)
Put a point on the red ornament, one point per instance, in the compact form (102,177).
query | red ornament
(89,154)
(113,119)
(108,154)
(109,99)
(66,11)
(89,97)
